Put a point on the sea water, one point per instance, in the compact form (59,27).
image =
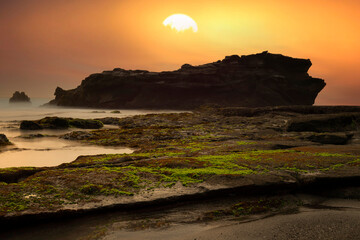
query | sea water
(50,150)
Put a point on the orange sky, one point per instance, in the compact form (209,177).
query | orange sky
(44,44)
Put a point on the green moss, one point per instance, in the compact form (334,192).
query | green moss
(115,192)
(14,206)
(326,154)
(293,169)
(91,189)
(16,169)
(336,166)
(357,161)
(245,143)
(85,123)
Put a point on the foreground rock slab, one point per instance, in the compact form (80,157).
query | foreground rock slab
(184,156)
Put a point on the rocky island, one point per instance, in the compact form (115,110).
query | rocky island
(19,97)
(258,80)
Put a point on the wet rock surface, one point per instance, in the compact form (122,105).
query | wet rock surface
(325,123)
(298,216)
(109,120)
(60,123)
(183,156)
(30,125)
(331,138)
(263,79)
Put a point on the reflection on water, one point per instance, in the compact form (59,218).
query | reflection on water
(18,112)
(45,151)
(50,152)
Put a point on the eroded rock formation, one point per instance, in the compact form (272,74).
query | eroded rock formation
(263,79)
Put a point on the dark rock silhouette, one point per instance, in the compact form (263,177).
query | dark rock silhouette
(61,123)
(331,138)
(325,123)
(30,125)
(19,97)
(4,140)
(258,80)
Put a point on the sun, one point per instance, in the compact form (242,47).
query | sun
(180,22)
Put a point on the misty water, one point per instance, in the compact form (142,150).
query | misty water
(49,150)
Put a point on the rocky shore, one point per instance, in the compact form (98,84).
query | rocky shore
(208,153)
(257,80)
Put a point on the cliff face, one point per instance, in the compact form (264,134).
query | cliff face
(256,80)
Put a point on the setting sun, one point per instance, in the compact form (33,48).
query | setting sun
(180,22)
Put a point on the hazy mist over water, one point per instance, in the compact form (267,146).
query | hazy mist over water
(49,150)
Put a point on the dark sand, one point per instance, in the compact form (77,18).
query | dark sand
(335,219)
(320,224)
(319,218)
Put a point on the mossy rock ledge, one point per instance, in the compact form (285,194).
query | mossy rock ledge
(182,155)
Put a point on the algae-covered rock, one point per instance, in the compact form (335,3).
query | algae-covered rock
(325,123)
(331,138)
(54,123)
(86,123)
(109,120)
(61,123)
(77,135)
(30,125)
(32,136)
(13,175)
(182,155)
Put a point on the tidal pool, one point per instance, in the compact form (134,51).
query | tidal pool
(49,151)
(46,151)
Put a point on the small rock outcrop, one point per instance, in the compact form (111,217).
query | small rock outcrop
(325,123)
(61,123)
(331,138)
(4,140)
(19,97)
(258,80)
(30,125)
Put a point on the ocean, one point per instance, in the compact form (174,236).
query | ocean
(50,150)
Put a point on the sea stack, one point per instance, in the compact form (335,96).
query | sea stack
(257,80)
(19,97)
